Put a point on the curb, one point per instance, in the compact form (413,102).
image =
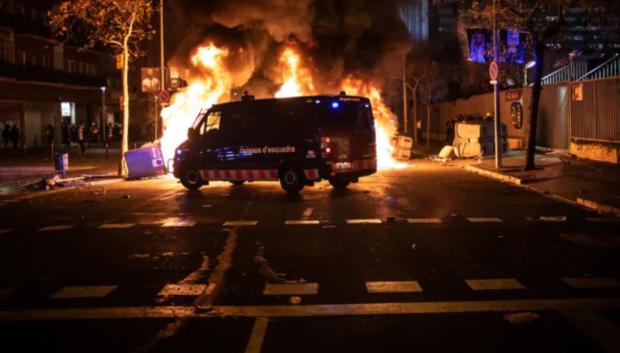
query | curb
(582,203)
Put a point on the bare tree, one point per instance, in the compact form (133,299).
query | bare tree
(421,71)
(543,20)
(119,25)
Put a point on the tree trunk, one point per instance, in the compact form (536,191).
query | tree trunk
(415,115)
(122,168)
(530,153)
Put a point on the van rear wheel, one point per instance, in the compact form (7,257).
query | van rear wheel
(339,184)
(191,179)
(291,180)
(237,182)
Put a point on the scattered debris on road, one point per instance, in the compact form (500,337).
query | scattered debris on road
(294,300)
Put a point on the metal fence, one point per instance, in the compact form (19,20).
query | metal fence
(596,117)
(563,74)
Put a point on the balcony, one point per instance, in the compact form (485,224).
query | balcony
(41,74)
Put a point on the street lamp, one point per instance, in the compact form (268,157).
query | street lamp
(103,110)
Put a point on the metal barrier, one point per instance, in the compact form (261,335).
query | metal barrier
(597,116)
(562,74)
(608,69)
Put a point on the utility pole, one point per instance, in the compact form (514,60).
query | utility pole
(496,93)
(405,105)
(162,63)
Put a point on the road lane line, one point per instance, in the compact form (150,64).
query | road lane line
(83,292)
(307,213)
(5,231)
(424,220)
(364,221)
(302,222)
(116,225)
(192,290)
(393,287)
(591,282)
(56,228)
(191,311)
(595,326)
(178,222)
(255,344)
(484,219)
(240,223)
(494,284)
(291,289)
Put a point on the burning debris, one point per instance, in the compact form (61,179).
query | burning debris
(281,49)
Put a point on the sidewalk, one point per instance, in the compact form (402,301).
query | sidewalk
(18,169)
(586,183)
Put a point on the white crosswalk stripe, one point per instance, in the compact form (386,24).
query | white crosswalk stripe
(117,225)
(56,228)
(291,289)
(494,284)
(186,289)
(302,222)
(83,292)
(393,287)
(424,220)
(240,223)
(591,282)
(364,221)
(484,219)
(178,222)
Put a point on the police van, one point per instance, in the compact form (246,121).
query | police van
(297,141)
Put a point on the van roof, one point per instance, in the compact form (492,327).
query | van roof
(293,99)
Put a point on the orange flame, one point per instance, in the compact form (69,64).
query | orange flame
(297,80)
(214,82)
(202,92)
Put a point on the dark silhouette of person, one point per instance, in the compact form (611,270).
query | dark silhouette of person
(49,137)
(6,135)
(15,136)
(81,137)
(65,132)
(107,137)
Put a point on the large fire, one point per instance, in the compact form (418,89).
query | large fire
(213,83)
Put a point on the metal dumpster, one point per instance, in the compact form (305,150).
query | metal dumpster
(145,162)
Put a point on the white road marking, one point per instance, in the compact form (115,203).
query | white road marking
(597,327)
(394,287)
(365,309)
(302,222)
(56,228)
(193,290)
(240,223)
(116,225)
(364,221)
(255,344)
(291,289)
(83,292)
(5,231)
(424,220)
(494,284)
(178,222)
(552,219)
(484,219)
(307,213)
(591,282)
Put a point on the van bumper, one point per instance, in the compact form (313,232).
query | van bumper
(350,170)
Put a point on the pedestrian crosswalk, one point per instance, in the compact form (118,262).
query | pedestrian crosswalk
(376,289)
(189,222)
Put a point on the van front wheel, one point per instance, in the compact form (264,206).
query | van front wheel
(191,179)
(291,180)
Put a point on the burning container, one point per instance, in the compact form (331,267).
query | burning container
(145,162)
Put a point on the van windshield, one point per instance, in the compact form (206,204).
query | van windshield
(340,113)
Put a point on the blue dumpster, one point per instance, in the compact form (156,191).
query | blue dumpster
(61,163)
(145,162)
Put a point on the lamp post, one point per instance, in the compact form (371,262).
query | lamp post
(103,110)
(496,93)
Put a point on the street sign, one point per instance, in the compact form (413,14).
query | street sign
(494,70)
(119,61)
(164,97)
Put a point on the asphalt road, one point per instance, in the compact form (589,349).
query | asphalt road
(426,259)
